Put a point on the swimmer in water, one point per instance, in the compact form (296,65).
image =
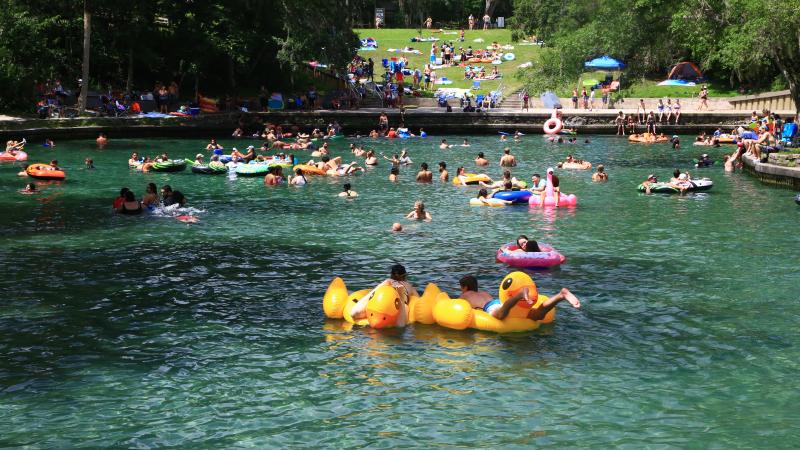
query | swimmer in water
(508,160)
(443,175)
(424,175)
(483,197)
(347,192)
(481,160)
(466,143)
(444,145)
(397,227)
(419,212)
(600,175)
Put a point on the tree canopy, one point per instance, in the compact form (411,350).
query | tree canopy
(747,42)
(226,44)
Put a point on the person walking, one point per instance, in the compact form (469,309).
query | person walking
(703,98)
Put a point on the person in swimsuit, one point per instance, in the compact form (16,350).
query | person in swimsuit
(575,98)
(526,245)
(398,279)
(299,179)
(601,174)
(483,197)
(660,107)
(424,175)
(419,212)
(394,172)
(404,158)
(150,198)
(483,300)
(443,175)
(677,109)
(371,159)
(508,160)
(347,192)
(130,206)
(481,160)
(170,197)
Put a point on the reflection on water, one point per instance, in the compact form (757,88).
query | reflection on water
(144,331)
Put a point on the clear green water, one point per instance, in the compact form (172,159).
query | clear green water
(147,332)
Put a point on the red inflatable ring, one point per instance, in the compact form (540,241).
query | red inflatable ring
(553,126)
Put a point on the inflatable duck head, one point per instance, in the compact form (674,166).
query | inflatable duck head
(512,285)
(383,308)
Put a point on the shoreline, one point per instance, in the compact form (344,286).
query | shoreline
(433,120)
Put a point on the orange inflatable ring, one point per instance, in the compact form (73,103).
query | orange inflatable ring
(553,126)
(309,170)
(44,172)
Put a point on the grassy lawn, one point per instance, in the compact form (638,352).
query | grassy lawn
(649,88)
(400,38)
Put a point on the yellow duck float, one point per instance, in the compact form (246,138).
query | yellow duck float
(436,307)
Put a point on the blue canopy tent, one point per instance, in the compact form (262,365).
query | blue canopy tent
(604,63)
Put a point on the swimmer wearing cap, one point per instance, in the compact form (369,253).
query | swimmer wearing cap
(198,159)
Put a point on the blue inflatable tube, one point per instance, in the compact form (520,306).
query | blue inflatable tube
(513,196)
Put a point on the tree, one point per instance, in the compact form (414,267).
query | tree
(751,40)
(87,45)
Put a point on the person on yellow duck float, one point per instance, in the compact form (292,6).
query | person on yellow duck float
(482,300)
(387,314)
(519,307)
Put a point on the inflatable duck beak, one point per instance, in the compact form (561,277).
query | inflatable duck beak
(383,308)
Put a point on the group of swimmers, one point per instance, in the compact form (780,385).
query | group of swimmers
(681,181)
(478,299)
(127,204)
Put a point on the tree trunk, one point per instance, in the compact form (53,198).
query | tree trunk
(490,6)
(129,81)
(87,39)
(789,64)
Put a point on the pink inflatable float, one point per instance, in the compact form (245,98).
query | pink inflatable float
(548,257)
(549,195)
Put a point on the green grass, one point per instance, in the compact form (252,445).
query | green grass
(399,38)
(649,88)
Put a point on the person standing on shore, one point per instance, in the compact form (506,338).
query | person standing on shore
(575,98)
(471,21)
(703,98)
(585,97)
(525,100)
(641,111)
(487,20)
(428,22)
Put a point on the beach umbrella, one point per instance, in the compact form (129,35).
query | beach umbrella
(550,100)
(604,63)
